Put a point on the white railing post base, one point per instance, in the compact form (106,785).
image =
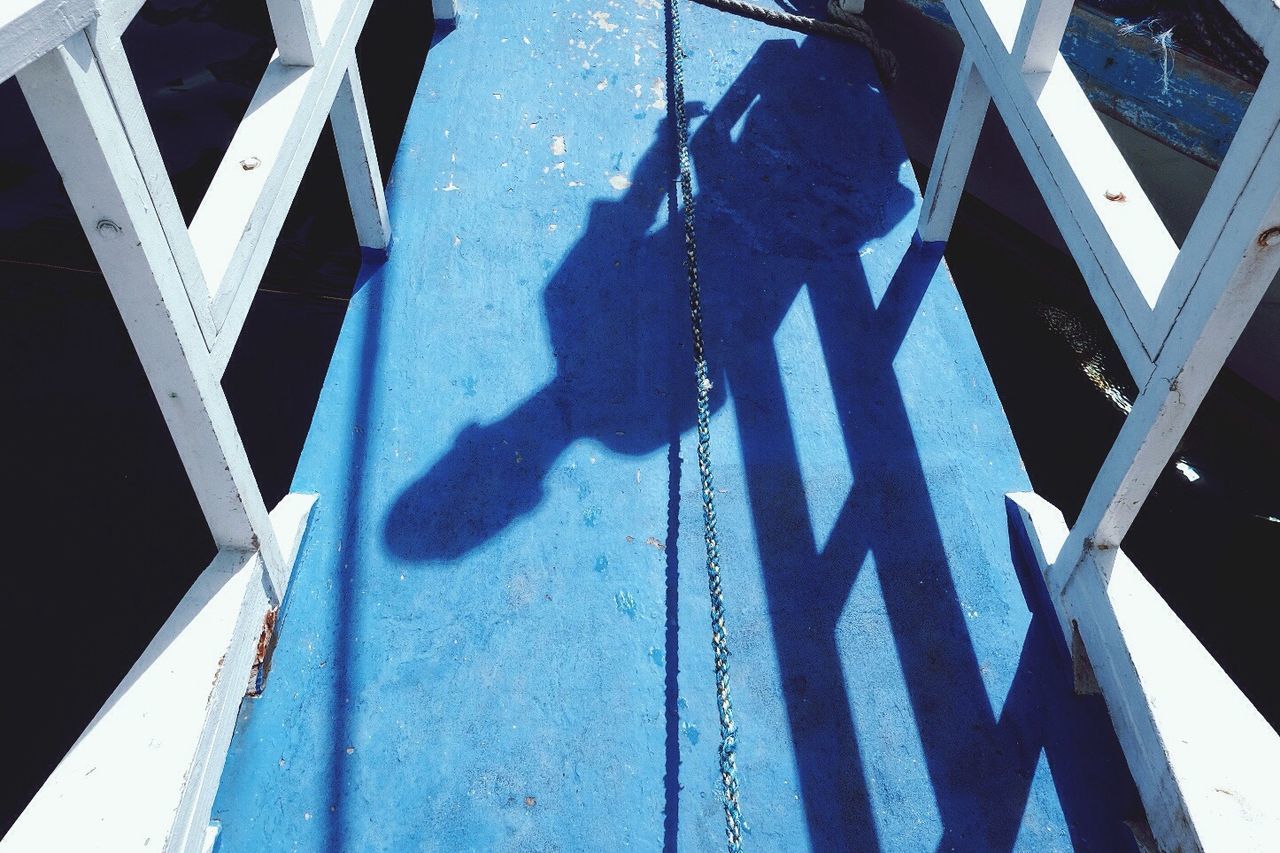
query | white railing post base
(1206,762)
(144,773)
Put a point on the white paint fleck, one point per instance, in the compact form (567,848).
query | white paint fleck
(602,85)
(601,20)
(452,187)
(659,89)
(557,146)
(619,182)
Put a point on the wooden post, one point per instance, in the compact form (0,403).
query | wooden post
(350,120)
(111,58)
(297,36)
(1242,264)
(954,154)
(86,137)
(445,10)
(1035,48)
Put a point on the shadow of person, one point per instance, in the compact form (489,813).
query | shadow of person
(617,306)
(797,177)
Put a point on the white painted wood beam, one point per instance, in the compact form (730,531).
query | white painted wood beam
(954,154)
(1040,34)
(116,15)
(297,36)
(444,10)
(247,184)
(31,28)
(1206,763)
(1121,246)
(143,774)
(86,137)
(350,120)
(123,87)
(1120,223)
(243,210)
(1240,268)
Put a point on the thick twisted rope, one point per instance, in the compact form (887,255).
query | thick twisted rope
(719,635)
(852,28)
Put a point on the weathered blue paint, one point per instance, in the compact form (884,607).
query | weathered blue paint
(1197,113)
(496,637)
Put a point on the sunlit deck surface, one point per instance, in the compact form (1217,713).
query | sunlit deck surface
(496,636)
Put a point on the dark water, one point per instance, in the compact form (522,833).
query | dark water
(1208,546)
(103,531)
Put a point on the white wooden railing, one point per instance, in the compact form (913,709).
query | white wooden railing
(144,773)
(1206,763)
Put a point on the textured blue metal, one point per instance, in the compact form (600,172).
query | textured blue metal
(496,637)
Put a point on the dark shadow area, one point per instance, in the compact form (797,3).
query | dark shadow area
(350,575)
(671,645)
(777,215)
(104,531)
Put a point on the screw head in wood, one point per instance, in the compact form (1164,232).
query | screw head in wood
(250,163)
(1114,195)
(107,228)
(1270,237)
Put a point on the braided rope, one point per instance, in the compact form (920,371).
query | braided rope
(852,28)
(719,635)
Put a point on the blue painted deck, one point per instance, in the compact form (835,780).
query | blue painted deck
(496,636)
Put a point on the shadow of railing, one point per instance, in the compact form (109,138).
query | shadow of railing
(794,185)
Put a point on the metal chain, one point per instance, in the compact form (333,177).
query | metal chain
(719,635)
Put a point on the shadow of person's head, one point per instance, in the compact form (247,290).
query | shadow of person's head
(786,197)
